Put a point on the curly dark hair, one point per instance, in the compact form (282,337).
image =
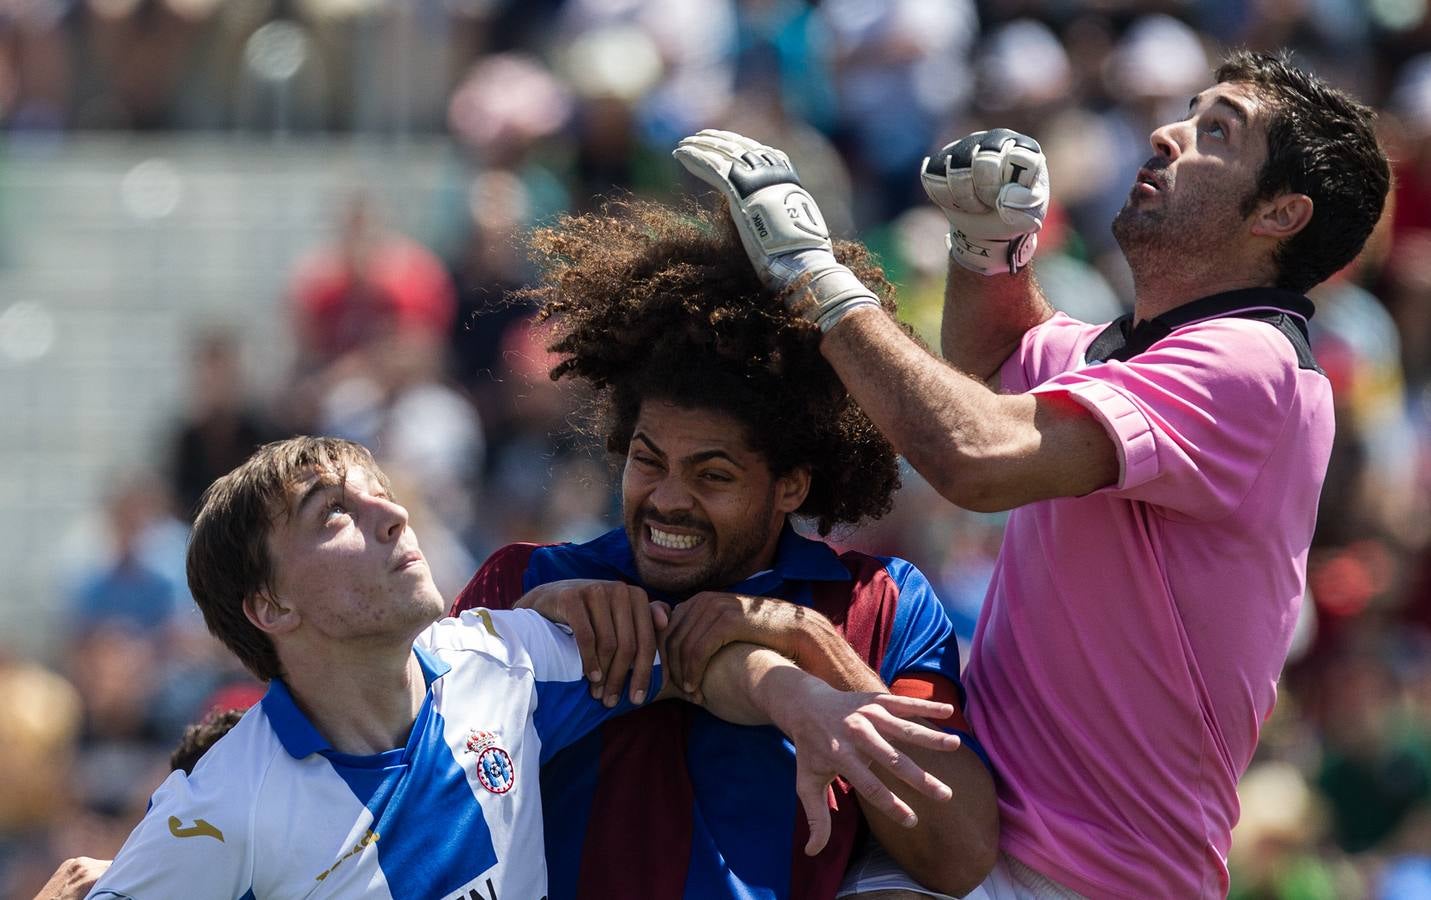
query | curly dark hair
(647,301)
(1322,143)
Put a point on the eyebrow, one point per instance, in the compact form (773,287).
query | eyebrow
(700,457)
(1236,110)
(319,485)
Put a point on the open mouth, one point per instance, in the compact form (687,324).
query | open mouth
(1147,181)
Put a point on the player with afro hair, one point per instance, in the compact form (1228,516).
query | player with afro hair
(652,302)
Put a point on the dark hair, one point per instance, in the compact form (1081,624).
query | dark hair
(202,735)
(1322,143)
(651,302)
(228,558)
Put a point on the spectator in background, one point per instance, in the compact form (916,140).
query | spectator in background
(134,584)
(222,425)
(76,876)
(371,282)
(40,718)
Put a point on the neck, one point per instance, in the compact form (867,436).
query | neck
(1157,291)
(364,702)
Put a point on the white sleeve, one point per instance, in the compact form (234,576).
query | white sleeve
(565,710)
(192,843)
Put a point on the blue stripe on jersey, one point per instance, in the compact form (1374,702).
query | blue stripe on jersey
(742,778)
(922,636)
(247,895)
(431,835)
(566,711)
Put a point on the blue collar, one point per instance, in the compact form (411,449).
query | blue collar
(297,734)
(796,559)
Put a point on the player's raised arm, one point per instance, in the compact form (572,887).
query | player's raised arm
(993,187)
(981,450)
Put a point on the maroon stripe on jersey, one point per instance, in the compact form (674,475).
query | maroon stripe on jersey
(642,788)
(498,584)
(864,614)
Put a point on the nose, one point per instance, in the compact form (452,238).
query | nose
(670,495)
(390,517)
(1165,140)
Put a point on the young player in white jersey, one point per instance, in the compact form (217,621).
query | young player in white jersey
(397,758)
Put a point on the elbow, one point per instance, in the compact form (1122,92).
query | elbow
(968,482)
(959,874)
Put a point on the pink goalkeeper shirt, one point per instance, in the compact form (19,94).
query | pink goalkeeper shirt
(1129,647)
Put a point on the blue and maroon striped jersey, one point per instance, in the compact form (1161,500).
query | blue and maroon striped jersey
(670,801)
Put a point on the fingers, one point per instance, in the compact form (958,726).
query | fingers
(643,621)
(598,612)
(878,795)
(881,753)
(675,665)
(626,632)
(707,165)
(913,706)
(813,792)
(580,625)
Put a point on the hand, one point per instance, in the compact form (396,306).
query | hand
(615,627)
(847,734)
(779,224)
(993,187)
(73,879)
(708,621)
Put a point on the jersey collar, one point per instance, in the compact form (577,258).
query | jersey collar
(1123,339)
(298,735)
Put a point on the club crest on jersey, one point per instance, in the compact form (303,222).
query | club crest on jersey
(494,766)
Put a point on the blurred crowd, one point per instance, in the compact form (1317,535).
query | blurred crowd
(413,344)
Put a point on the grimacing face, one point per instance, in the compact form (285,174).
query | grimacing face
(346,561)
(1189,195)
(701,508)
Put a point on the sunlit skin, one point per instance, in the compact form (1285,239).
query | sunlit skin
(701,508)
(347,562)
(1185,228)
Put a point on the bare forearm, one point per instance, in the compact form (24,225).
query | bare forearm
(954,845)
(985,317)
(980,450)
(829,657)
(738,679)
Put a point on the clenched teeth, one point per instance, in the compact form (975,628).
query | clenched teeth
(674,541)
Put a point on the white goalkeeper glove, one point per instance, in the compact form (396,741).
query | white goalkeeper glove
(779,224)
(993,187)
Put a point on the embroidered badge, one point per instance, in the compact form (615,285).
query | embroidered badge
(494,765)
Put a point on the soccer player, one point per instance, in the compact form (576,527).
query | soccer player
(727,423)
(1163,472)
(395,757)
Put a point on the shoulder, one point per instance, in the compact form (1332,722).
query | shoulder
(513,638)
(890,573)
(498,583)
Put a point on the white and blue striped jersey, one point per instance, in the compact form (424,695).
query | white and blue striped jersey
(272,811)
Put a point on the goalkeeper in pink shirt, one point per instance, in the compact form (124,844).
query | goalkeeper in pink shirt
(1163,470)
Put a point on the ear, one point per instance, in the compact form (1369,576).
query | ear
(791,489)
(1282,216)
(269,615)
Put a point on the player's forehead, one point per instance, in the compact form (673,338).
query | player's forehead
(320,478)
(1240,99)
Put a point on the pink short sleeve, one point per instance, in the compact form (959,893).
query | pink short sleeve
(1195,417)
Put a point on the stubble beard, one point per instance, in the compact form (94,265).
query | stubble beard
(734,558)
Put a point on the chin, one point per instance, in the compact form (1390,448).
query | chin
(668,579)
